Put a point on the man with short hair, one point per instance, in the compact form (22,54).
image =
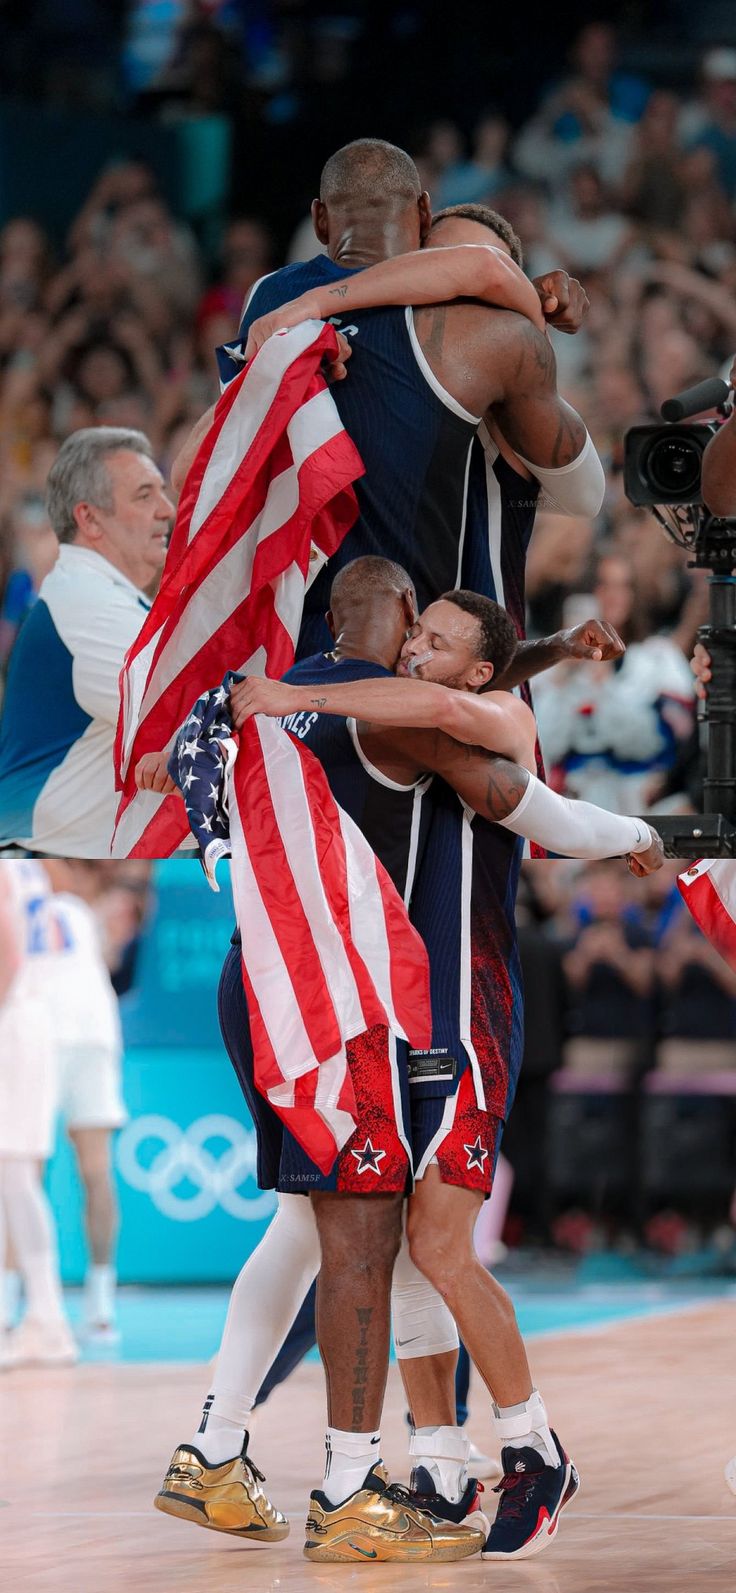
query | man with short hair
(107,505)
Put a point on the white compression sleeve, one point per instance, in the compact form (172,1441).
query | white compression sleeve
(264,1302)
(574,829)
(577,488)
(422,1323)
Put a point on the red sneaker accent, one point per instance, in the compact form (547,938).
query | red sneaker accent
(543,1516)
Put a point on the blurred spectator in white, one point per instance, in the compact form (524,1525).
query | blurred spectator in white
(590,234)
(111,515)
(610,1017)
(609,732)
(85,1021)
(710,121)
(588,117)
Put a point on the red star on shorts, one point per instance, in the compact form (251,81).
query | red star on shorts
(476,1154)
(368,1158)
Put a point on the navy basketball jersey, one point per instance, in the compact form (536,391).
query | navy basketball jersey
(393,818)
(463,907)
(413,437)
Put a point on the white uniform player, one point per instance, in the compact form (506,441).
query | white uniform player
(86,1020)
(27,1112)
(86,1023)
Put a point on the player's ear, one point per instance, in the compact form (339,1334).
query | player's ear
(319,221)
(409,601)
(331,624)
(425,216)
(480,676)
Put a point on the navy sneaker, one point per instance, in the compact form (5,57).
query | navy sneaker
(532,1496)
(466,1511)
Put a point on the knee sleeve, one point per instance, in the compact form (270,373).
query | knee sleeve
(422,1323)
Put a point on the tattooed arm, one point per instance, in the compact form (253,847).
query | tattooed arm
(539,425)
(427,276)
(509,795)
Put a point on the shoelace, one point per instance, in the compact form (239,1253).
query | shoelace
(398,1493)
(514,1491)
(254,1469)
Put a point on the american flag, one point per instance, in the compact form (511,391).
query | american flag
(271,483)
(708,890)
(327,947)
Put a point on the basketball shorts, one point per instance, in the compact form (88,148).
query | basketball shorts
(376,1158)
(453,1133)
(89,1086)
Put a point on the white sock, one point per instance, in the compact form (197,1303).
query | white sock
(348,1459)
(217,1438)
(525,1426)
(443,1451)
(265,1299)
(31,1227)
(99,1288)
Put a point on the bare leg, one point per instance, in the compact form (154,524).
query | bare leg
(440,1231)
(429,1385)
(359,1239)
(92,1147)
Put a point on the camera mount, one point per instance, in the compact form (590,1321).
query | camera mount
(662,471)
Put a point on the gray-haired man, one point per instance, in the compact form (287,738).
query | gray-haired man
(107,505)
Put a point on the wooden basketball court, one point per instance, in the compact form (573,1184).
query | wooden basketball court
(647,1409)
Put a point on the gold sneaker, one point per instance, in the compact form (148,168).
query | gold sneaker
(380,1522)
(227,1498)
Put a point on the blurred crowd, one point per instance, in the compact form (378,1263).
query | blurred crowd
(625,1115)
(624,181)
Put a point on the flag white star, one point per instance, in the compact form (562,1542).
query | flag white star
(189,750)
(190,779)
(206,822)
(214,792)
(220,696)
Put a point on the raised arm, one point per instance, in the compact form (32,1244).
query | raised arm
(427,276)
(496,721)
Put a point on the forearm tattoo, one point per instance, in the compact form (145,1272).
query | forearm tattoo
(339,292)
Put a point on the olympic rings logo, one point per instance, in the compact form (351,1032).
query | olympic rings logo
(183,1155)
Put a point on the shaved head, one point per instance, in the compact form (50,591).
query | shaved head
(363,580)
(369,171)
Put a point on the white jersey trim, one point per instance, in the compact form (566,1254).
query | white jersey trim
(430,378)
(422,784)
(466,956)
(446,1125)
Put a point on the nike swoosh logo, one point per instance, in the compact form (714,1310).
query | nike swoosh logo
(370,1554)
(401,1342)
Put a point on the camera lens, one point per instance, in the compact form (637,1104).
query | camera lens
(672,465)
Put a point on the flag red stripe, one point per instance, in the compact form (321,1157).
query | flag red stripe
(711,915)
(333,868)
(281,899)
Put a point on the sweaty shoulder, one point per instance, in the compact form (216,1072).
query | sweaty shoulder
(476,349)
